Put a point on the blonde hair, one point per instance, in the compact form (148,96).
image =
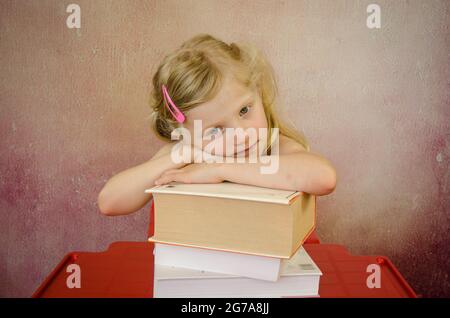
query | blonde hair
(193,75)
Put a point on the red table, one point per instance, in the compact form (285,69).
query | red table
(126,270)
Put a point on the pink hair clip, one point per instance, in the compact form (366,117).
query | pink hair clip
(179,116)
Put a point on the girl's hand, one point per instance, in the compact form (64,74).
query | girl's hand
(192,173)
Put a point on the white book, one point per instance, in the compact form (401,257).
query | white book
(246,265)
(299,276)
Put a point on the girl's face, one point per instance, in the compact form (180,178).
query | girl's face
(235,106)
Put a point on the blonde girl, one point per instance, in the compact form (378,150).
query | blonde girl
(222,86)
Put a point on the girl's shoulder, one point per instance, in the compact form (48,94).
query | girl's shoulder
(289,145)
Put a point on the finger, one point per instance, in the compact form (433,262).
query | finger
(169,177)
(181,177)
(176,177)
(163,180)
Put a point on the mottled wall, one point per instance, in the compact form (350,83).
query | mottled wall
(375,102)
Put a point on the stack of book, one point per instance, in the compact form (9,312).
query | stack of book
(232,240)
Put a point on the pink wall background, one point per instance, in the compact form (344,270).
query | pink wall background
(375,102)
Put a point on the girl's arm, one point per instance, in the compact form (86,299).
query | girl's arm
(124,192)
(300,171)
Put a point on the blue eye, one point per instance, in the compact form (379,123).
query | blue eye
(214,131)
(244,110)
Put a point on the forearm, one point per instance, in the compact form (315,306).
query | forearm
(303,171)
(124,192)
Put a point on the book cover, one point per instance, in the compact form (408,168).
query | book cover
(228,190)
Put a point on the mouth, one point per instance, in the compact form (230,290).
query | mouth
(246,150)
